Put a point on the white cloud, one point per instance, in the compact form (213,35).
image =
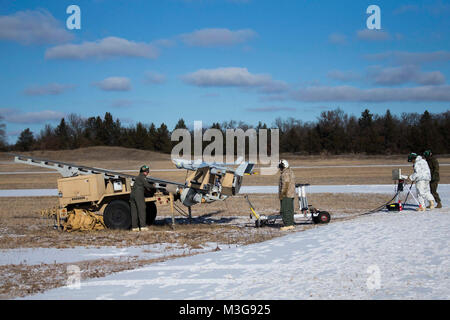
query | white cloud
(109,47)
(390,76)
(345,76)
(337,38)
(271,109)
(114,84)
(17,116)
(212,37)
(405,57)
(235,77)
(126,103)
(354,94)
(436,8)
(154,78)
(373,35)
(404,74)
(33,27)
(122,103)
(227,77)
(47,89)
(164,43)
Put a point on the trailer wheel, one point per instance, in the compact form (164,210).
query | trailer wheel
(117,215)
(323,217)
(151,213)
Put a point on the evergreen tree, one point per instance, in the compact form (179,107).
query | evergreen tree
(331,130)
(368,139)
(151,137)
(430,138)
(162,141)
(140,136)
(390,133)
(352,133)
(25,141)
(62,134)
(180,125)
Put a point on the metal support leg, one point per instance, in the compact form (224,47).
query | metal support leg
(172,210)
(302,199)
(411,192)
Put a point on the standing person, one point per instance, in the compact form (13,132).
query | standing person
(137,200)
(286,193)
(421,177)
(434,170)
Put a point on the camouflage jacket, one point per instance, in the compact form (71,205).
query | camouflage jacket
(434,168)
(286,187)
(140,184)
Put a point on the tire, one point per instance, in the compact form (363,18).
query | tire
(151,211)
(117,215)
(323,217)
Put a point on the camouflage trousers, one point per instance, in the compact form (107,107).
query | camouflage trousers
(138,212)
(433,188)
(287,211)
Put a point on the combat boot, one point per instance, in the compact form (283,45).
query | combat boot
(439,205)
(431,204)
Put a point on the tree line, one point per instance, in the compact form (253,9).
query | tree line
(333,132)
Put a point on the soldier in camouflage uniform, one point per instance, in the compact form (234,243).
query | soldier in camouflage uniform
(286,193)
(137,200)
(434,169)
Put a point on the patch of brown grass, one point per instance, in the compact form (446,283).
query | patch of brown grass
(222,222)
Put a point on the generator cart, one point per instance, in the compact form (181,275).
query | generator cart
(307,212)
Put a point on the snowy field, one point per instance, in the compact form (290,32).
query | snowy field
(396,255)
(35,256)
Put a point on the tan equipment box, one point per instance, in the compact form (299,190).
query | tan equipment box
(90,188)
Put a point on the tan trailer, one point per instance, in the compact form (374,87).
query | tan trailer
(103,192)
(108,197)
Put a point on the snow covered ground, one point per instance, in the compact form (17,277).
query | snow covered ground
(35,256)
(396,255)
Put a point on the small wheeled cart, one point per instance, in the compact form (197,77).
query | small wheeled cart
(307,212)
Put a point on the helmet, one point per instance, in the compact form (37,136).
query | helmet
(145,168)
(412,156)
(283,164)
(427,153)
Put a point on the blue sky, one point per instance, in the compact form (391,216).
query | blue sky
(219,60)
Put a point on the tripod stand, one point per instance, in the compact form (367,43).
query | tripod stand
(412,194)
